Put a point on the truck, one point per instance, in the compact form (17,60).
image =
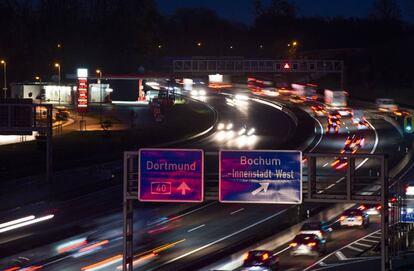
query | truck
(306,91)
(335,98)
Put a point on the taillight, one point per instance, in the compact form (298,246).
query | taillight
(359,217)
(379,207)
(342,218)
(311,244)
(362,207)
(265,257)
(293,244)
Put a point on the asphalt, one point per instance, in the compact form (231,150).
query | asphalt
(204,234)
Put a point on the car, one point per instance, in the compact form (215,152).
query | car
(297,99)
(353,143)
(371,209)
(354,217)
(339,163)
(401,113)
(198,92)
(319,110)
(307,245)
(362,123)
(319,228)
(345,111)
(334,122)
(336,114)
(386,105)
(261,259)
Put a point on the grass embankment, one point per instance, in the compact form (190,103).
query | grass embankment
(77,148)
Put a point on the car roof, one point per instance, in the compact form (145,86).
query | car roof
(353,212)
(305,237)
(258,252)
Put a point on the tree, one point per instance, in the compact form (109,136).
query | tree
(283,8)
(258,8)
(386,10)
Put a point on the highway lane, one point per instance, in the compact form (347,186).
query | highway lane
(210,234)
(343,245)
(229,113)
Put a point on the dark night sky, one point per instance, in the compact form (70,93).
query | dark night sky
(241,10)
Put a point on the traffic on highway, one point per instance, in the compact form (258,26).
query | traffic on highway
(188,235)
(157,135)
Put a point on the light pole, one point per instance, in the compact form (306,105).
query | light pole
(57,65)
(99,72)
(38,79)
(5,77)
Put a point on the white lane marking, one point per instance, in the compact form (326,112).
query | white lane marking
(218,240)
(340,180)
(331,266)
(322,264)
(375,145)
(281,251)
(374,148)
(340,256)
(235,212)
(325,165)
(375,237)
(362,244)
(330,186)
(193,211)
(196,228)
(268,103)
(355,248)
(320,139)
(371,241)
(330,254)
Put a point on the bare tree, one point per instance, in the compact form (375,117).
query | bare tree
(386,10)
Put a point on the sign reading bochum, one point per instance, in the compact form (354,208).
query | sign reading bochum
(171,175)
(260,176)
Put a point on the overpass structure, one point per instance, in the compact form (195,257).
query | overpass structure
(242,65)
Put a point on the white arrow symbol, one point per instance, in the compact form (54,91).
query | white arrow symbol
(183,187)
(263,187)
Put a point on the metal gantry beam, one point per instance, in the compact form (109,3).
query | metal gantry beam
(241,65)
(312,185)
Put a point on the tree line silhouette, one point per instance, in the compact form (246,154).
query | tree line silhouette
(119,36)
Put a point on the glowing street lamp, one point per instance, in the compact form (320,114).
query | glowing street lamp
(199,44)
(5,77)
(99,72)
(38,79)
(57,65)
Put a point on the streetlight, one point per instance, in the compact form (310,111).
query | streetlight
(5,77)
(199,44)
(38,79)
(99,72)
(57,65)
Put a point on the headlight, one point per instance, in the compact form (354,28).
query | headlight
(202,92)
(241,97)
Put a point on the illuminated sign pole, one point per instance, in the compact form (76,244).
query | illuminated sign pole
(82,97)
